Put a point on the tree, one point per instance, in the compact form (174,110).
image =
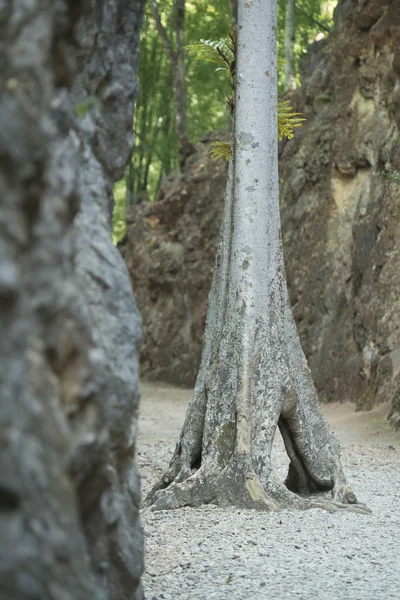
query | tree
(155,151)
(253,375)
(299,23)
(156,147)
(290,34)
(177,59)
(233,9)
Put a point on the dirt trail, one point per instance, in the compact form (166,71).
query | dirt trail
(163,409)
(217,553)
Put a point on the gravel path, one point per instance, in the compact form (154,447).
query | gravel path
(211,553)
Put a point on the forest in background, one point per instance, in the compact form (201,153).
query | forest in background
(156,149)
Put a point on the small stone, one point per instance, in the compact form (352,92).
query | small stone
(178,570)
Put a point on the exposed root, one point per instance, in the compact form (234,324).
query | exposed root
(224,491)
(298,479)
(184,462)
(234,486)
(174,475)
(333,506)
(342,492)
(225,460)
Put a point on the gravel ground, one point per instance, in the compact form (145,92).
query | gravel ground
(211,553)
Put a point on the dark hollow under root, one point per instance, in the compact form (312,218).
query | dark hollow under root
(298,479)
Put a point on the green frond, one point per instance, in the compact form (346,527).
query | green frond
(213,51)
(222,53)
(221,150)
(287,119)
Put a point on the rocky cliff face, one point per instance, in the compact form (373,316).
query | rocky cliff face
(340,196)
(170,252)
(105,418)
(69,489)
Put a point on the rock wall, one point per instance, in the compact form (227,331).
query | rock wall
(340,196)
(104,467)
(69,488)
(170,250)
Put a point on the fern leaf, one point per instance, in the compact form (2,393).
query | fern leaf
(213,51)
(220,150)
(222,53)
(288,120)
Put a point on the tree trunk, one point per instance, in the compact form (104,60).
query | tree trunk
(185,147)
(290,36)
(130,185)
(233,12)
(253,376)
(177,61)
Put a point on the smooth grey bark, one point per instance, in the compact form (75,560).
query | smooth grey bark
(177,60)
(253,375)
(290,36)
(69,488)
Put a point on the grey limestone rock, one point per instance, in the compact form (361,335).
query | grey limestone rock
(69,488)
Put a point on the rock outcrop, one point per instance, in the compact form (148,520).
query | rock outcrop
(340,193)
(69,488)
(340,179)
(170,252)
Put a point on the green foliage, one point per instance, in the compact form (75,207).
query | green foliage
(213,52)
(91,103)
(221,52)
(155,152)
(392,175)
(287,122)
(323,98)
(221,150)
(156,149)
(287,119)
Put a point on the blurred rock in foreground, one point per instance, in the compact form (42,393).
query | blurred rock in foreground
(69,488)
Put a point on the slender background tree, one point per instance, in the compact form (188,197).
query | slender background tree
(176,55)
(232,5)
(290,37)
